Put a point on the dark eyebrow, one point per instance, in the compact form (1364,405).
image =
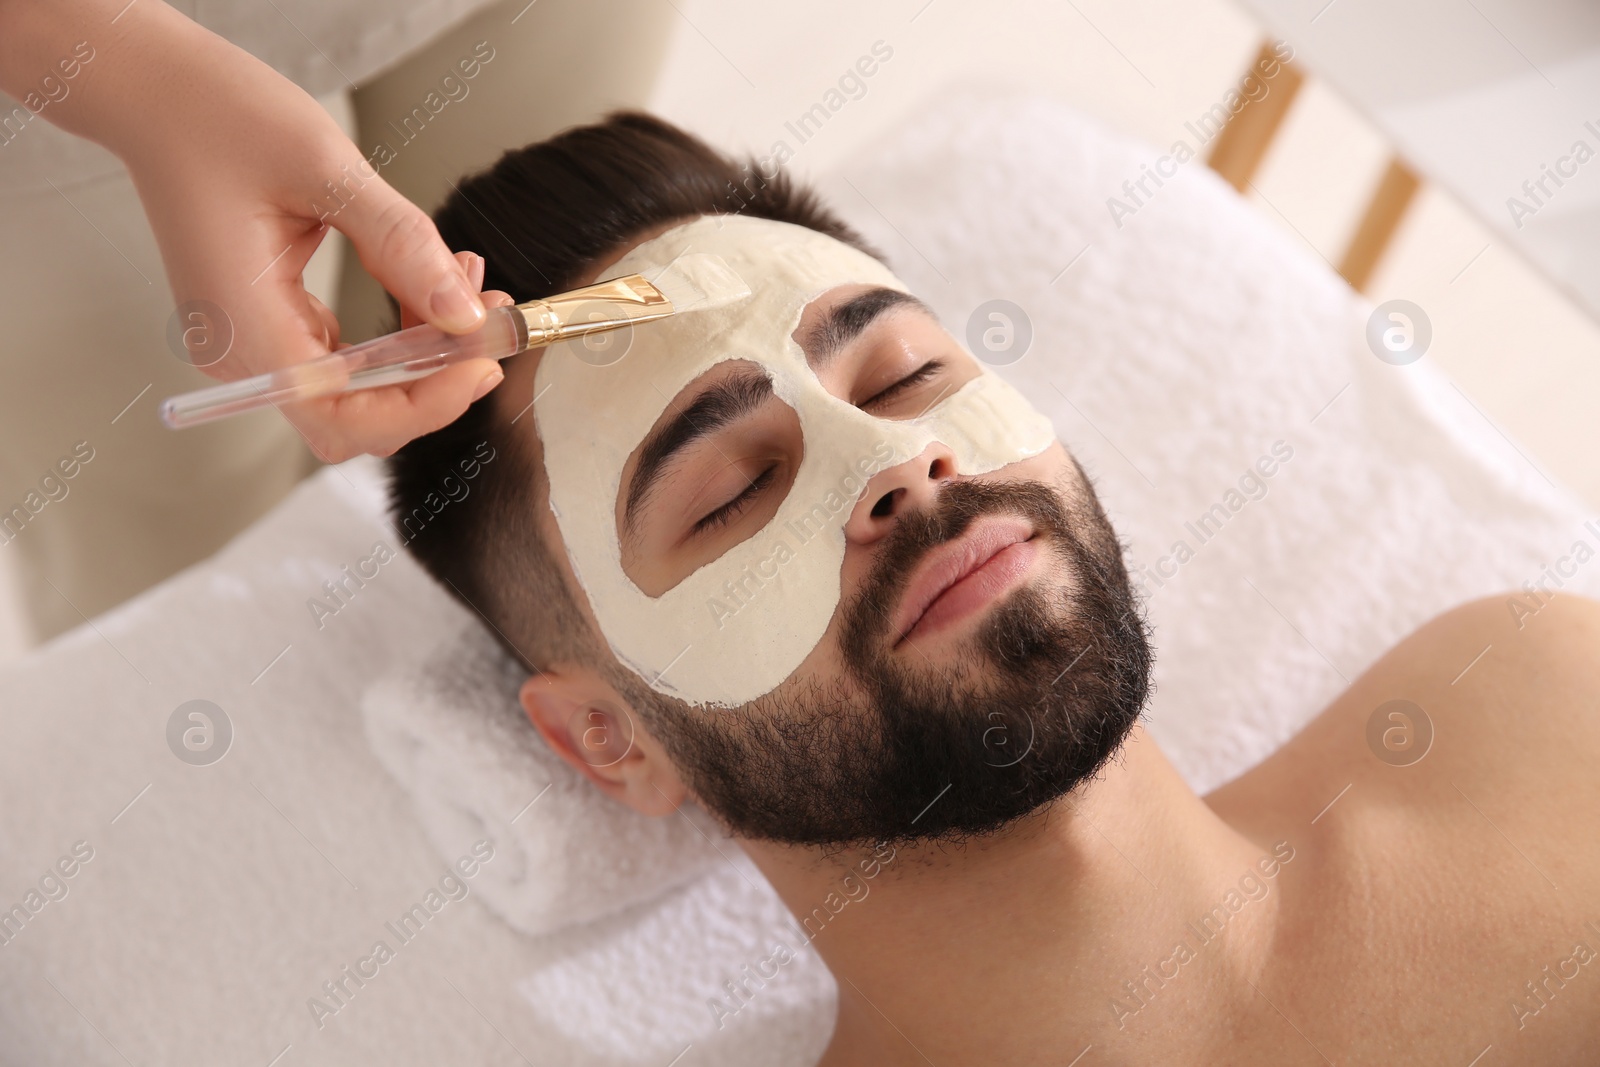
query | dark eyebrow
(844,322)
(718,405)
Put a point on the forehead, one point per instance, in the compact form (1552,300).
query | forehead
(786,268)
(793,266)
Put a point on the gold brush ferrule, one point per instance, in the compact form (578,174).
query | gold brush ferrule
(603,306)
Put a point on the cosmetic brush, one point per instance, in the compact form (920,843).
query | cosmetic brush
(693,282)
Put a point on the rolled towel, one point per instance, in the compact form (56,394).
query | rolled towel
(451,732)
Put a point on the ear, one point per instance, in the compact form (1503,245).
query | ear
(584,719)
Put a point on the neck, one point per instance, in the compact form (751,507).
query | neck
(1016,945)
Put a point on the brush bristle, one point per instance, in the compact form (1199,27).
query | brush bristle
(700,281)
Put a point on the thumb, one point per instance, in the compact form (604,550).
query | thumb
(400,247)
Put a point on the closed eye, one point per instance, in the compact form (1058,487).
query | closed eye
(730,511)
(916,377)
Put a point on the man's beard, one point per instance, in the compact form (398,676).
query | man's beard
(1038,699)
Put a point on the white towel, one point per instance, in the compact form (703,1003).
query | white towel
(451,731)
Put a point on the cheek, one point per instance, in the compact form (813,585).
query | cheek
(1053,466)
(823,670)
(1056,468)
(550,535)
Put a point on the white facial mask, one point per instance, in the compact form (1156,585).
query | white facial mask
(741,624)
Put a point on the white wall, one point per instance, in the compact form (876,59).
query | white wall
(736,72)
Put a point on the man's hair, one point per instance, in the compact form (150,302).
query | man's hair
(464,498)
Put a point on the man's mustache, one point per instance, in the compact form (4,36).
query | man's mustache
(958,505)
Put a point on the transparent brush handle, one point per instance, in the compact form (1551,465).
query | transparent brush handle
(389,360)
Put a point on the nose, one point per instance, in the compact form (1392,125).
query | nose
(910,486)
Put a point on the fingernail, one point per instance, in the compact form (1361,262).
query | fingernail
(490,380)
(454,305)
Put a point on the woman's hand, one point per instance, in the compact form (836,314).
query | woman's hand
(350,406)
(241,174)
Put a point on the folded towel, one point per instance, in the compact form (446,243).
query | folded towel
(451,731)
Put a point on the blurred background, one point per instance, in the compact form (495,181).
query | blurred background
(1426,150)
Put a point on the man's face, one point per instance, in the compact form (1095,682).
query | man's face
(985,653)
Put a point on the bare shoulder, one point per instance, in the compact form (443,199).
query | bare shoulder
(1503,691)
(1537,659)
(1444,808)
(1525,624)
(1498,670)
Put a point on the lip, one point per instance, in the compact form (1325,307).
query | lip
(963,575)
